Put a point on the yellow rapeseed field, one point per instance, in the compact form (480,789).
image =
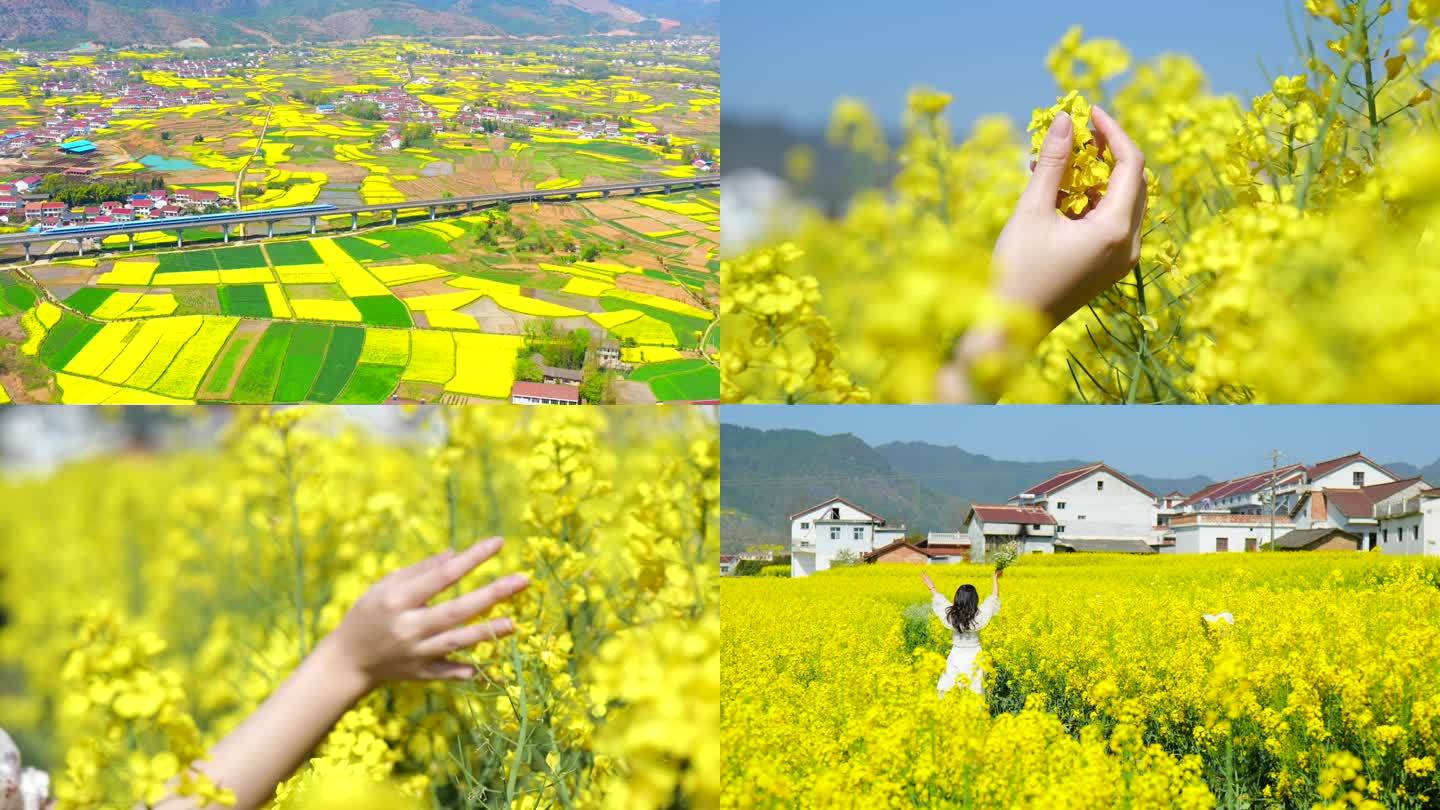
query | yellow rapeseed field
(1104,687)
(189,584)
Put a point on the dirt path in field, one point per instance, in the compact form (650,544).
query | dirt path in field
(259,142)
(246,328)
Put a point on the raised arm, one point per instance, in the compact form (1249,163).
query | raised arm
(929,584)
(389,635)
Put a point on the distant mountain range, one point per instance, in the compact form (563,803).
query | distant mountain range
(65,23)
(766,475)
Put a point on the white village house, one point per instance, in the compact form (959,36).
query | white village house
(1089,508)
(1235,515)
(1348,502)
(826,529)
(1411,525)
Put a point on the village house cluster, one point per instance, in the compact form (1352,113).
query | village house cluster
(22,202)
(1348,503)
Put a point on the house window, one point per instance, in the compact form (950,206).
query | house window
(834,532)
(1358,478)
(1250,544)
(804,525)
(1035,526)
(859,533)
(1059,504)
(1079,517)
(1384,535)
(835,513)
(1059,528)
(1222,544)
(1100,486)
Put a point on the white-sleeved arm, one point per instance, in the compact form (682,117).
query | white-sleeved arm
(987,611)
(939,605)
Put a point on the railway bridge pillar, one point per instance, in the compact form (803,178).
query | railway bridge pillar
(312,225)
(270,229)
(432,211)
(180,237)
(27,251)
(354,220)
(394,216)
(132,241)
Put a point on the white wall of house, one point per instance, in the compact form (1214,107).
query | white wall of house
(818,535)
(1101,506)
(802,563)
(1206,539)
(984,536)
(1344,477)
(1413,533)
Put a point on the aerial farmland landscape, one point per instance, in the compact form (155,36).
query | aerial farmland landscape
(491,217)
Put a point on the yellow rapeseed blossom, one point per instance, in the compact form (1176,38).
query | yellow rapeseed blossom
(1287,255)
(191,584)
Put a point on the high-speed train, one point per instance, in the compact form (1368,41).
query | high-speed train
(195,219)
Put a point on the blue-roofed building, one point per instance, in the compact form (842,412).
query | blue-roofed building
(325,109)
(139,197)
(81,147)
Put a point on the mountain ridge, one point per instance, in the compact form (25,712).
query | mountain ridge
(64,23)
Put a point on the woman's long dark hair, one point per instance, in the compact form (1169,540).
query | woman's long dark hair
(966,605)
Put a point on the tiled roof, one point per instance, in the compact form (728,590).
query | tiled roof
(1246,484)
(1061,479)
(568,393)
(1000,513)
(1300,538)
(838,499)
(1336,463)
(1361,502)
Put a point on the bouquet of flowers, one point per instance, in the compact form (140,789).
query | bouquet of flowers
(1005,556)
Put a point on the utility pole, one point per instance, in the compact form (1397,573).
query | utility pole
(1275,456)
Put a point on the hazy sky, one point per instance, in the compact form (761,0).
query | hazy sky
(790,59)
(1215,441)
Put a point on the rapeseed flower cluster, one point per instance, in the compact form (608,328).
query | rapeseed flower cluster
(1287,249)
(1104,687)
(217,571)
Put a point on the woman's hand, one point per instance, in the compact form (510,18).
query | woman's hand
(1054,264)
(1049,263)
(391,635)
(928,583)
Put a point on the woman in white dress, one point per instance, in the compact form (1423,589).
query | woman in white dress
(965,617)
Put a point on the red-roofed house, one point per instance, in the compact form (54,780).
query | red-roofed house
(1354,510)
(921,553)
(1094,503)
(821,532)
(26,185)
(1354,470)
(533,393)
(1000,524)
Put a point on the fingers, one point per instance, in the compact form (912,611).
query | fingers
(422,587)
(465,637)
(462,609)
(427,564)
(1127,178)
(1050,165)
(443,670)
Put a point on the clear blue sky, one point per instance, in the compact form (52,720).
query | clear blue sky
(790,59)
(1218,441)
